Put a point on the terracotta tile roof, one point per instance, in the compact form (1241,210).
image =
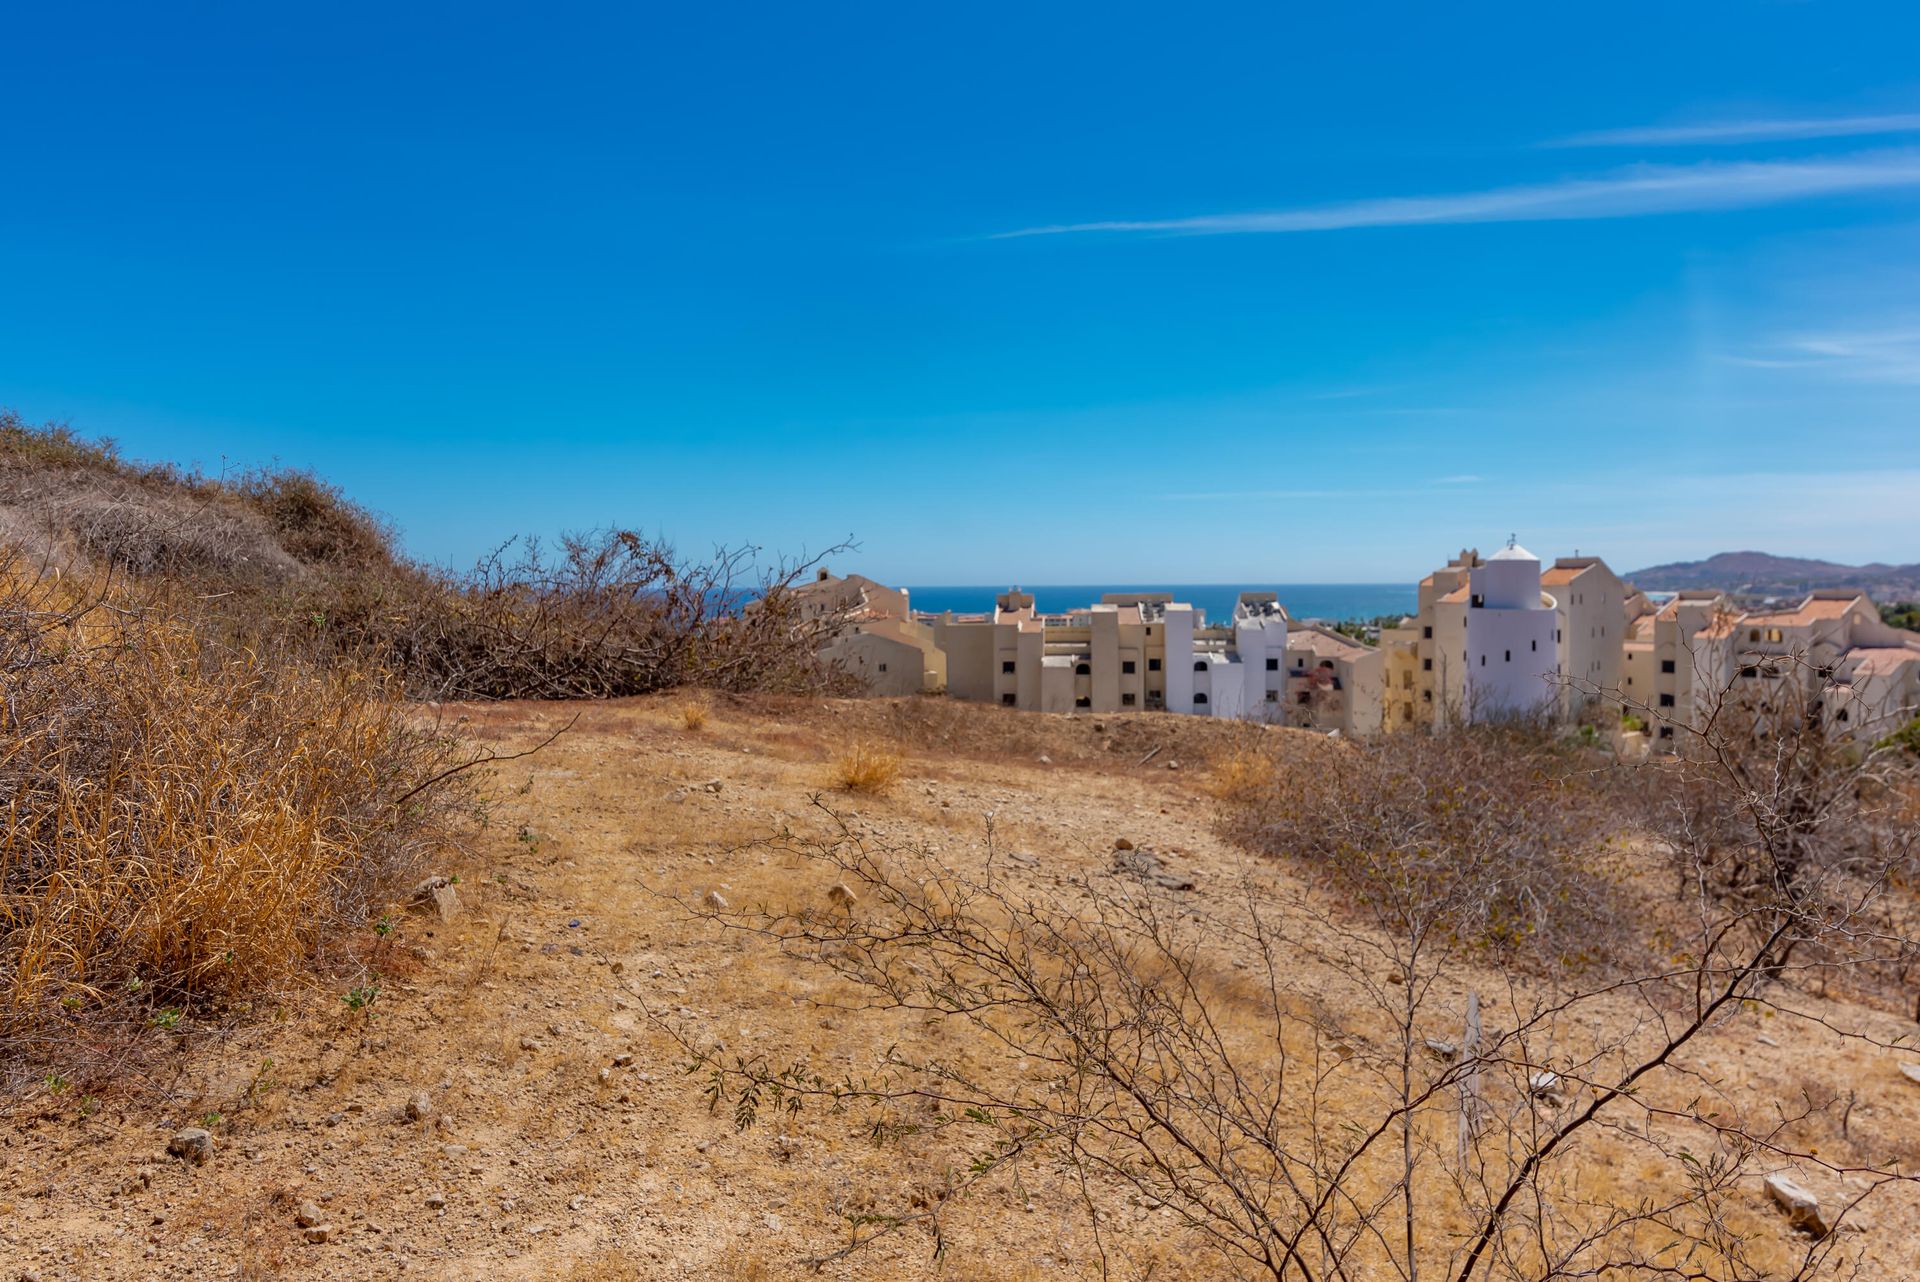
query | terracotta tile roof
(1561,575)
(1458,594)
(1871,659)
(1641,629)
(1811,610)
(1328,645)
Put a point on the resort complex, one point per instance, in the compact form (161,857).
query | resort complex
(1491,637)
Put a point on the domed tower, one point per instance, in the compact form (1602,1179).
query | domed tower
(1512,652)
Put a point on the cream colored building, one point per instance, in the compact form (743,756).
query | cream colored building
(870,633)
(1149,652)
(1832,652)
(1334,682)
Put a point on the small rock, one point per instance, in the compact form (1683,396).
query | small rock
(604,1076)
(318,1233)
(436,895)
(1442,1049)
(528,1044)
(842,895)
(716,901)
(435,1201)
(1910,1071)
(1764,1040)
(419,1106)
(308,1215)
(1544,1085)
(1801,1207)
(194,1144)
(713,785)
(1122,843)
(1395,977)
(1045,760)
(622,1060)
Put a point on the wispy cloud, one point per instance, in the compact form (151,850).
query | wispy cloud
(1626,193)
(1889,355)
(1738,131)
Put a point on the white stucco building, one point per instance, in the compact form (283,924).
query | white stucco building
(1512,642)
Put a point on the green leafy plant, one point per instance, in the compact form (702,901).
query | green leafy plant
(361,997)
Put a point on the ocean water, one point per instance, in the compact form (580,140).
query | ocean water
(1330,601)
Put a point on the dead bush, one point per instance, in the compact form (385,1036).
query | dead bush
(186,824)
(865,767)
(1489,834)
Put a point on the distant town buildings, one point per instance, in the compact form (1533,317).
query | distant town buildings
(1490,638)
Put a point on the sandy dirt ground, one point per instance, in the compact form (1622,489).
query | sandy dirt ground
(506,1108)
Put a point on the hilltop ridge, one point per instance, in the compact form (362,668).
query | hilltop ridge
(1764,574)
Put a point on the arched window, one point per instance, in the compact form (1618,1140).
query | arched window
(1201,697)
(1083,669)
(1199,665)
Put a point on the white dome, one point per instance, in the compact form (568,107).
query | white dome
(1513,552)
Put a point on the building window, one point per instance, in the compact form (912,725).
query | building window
(1006,665)
(1007,699)
(1753,634)
(1126,700)
(1774,635)
(1273,665)
(1426,633)
(1200,698)
(1304,697)
(1844,715)
(1273,696)
(1483,660)
(1509,656)
(1083,669)
(1199,665)
(1478,601)
(1153,665)
(1426,665)
(1128,666)
(1666,732)
(1666,665)
(1748,670)
(1427,695)
(1534,645)
(1666,701)
(1083,702)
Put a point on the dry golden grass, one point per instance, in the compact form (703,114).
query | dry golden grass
(188,822)
(867,768)
(1239,772)
(693,715)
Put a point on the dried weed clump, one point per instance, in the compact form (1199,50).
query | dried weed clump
(187,824)
(865,767)
(693,715)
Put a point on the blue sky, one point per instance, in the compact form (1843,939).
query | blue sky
(1011,293)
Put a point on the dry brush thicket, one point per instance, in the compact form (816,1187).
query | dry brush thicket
(186,824)
(1473,1048)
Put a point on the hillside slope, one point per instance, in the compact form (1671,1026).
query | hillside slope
(544,1152)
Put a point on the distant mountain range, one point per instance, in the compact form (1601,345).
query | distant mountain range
(1760,574)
